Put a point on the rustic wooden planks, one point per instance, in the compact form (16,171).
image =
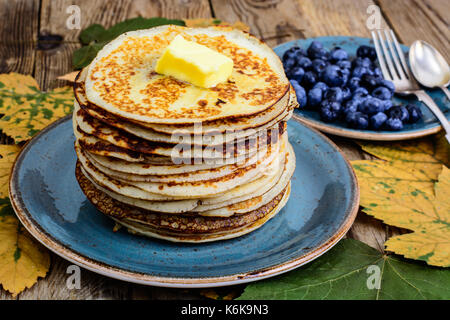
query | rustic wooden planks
(47,66)
(17,38)
(418,19)
(279,21)
(275,21)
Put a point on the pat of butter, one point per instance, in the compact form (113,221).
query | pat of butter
(194,63)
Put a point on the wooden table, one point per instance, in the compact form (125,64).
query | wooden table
(24,22)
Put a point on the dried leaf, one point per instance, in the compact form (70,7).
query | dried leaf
(26,109)
(8,154)
(22,259)
(69,76)
(430,221)
(403,192)
(429,150)
(224,293)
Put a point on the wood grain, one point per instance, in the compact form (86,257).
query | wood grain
(298,19)
(17,37)
(275,21)
(49,64)
(58,61)
(427,21)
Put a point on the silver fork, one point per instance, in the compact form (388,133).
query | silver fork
(399,73)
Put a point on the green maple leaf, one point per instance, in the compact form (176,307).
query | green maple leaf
(353,270)
(96,36)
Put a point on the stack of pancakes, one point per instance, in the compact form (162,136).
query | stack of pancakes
(173,161)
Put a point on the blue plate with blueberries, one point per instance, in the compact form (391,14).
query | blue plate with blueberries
(340,90)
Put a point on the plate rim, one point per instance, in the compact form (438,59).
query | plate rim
(102,268)
(358,134)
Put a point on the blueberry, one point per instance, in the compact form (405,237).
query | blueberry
(377,72)
(382,93)
(370,72)
(344,64)
(321,85)
(358,72)
(398,112)
(377,120)
(370,82)
(394,124)
(314,47)
(300,93)
(415,114)
(362,62)
(353,83)
(314,97)
(318,65)
(350,106)
(346,93)
(334,94)
(321,53)
(360,93)
(293,52)
(345,71)
(387,104)
(345,76)
(388,84)
(371,106)
(366,51)
(338,54)
(296,74)
(309,79)
(357,120)
(329,110)
(289,64)
(333,76)
(304,62)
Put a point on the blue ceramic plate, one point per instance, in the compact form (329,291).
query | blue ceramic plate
(48,201)
(428,125)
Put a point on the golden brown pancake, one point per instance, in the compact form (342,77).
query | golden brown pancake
(181,223)
(122,78)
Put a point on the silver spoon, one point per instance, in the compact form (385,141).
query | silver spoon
(429,66)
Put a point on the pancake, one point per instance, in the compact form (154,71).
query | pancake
(172,223)
(148,231)
(87,126)
(231,128)
(281,176)
(249,201)
(122,81)
(198,175)
(173,161)
(192,189)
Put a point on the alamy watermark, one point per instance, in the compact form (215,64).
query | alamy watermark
(374,279)
(74,279)
(73,22)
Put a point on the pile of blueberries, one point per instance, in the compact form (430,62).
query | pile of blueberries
(339,89)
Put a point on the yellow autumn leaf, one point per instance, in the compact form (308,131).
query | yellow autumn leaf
(402,191)
(8,154)
(431,150)
(430,240)
(26,110)
(225,293)
(71,76)
(22,259)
